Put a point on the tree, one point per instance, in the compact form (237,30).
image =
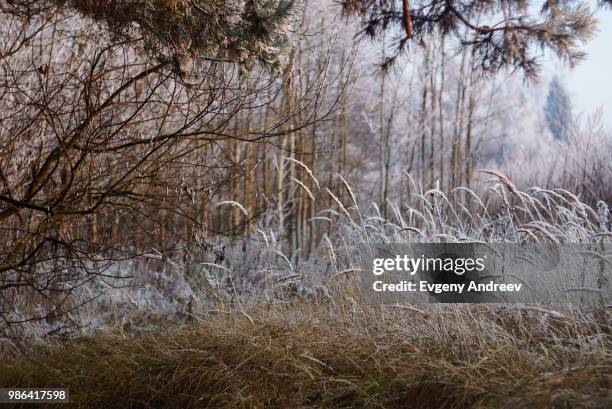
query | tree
(558,111)
(114,143)
(502,34)
(178,30)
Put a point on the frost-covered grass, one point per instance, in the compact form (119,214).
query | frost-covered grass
(341,353)
(261,269)
(264,327)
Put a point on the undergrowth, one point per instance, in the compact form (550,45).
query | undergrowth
(341,355)
(265,327)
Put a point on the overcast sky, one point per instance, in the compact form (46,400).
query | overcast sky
(590,83)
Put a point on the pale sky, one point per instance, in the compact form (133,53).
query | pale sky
(590,83)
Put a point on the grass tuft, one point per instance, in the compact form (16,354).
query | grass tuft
(339,355)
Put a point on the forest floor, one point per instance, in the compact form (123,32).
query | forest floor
(338,354)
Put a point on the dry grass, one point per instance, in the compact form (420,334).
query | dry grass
(340,355)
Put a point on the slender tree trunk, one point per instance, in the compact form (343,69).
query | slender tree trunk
(383,142)
(248,182)
(458,129)
(441,113)
(434,100)
(421,168)
(288,103)
(468,137)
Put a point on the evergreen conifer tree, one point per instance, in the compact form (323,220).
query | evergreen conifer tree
(502,34)
(558,111)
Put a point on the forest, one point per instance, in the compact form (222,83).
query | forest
(187,188)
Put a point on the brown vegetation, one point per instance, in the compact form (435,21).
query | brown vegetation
(142,138)
(340,355)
